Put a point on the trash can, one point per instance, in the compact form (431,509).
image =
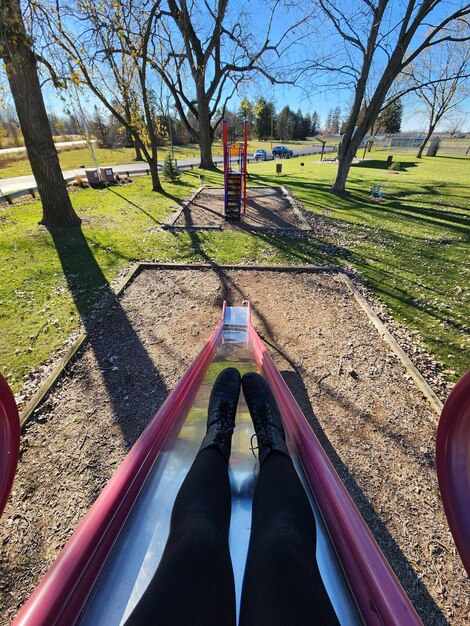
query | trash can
(389,160)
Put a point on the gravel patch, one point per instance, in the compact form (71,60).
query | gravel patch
(377,429)
(267,208)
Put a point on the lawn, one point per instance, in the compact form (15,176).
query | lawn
(412,251)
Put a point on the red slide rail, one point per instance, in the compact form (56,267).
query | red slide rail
(453,465)
(9,441)
(61,595)
(379,595)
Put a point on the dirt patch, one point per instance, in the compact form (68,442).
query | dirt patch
(373,423)
(267,208)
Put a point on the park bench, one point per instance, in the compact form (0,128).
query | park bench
(98,178)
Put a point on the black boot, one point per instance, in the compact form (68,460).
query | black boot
(265,415)
(222,410)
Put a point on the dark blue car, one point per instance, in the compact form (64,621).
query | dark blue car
(283,152)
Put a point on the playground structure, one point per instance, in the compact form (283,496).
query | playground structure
(116,548)
(234,179)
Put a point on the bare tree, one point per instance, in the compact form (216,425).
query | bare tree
(20,63)
(442,75)
(11,125)
(455,122)
(378,40)
(203,52)
(105,47)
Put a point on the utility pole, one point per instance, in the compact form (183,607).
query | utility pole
(82,115)
(272,126)
(170,130)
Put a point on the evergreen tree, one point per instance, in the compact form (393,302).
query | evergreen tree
(329,121)
(335,121)
(315,124)
(306,123)
(285,124)
(264,111)
(170,170)
(391,117)
(297,122)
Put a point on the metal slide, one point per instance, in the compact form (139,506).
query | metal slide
(453,464)
(103,570)
(9,441)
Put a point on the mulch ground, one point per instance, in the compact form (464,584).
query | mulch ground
(267,208)
(377,429)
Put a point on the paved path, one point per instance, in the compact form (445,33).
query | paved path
(25,183)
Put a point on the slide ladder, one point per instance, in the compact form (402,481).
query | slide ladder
(234,180)
(233,196)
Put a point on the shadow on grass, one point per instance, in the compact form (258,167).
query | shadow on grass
(379,164)
(433,217)
(133,383)
(318,195)
(137,206)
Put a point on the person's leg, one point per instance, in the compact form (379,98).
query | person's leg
(194,583)
(282,584)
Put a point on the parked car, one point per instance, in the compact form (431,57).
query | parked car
(260,155)
(283,152)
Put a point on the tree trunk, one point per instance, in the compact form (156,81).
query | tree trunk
(138,153)
(346,154)
(20,64)
(206,133)
(344,165)
(156,184)
(425,141)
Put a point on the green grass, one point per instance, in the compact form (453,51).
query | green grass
(412,251)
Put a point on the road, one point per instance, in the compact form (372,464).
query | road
(16,184)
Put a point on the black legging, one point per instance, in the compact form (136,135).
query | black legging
(194,585)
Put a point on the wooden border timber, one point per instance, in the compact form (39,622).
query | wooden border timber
(305,225)
(247,266)
(386,335)
(172,218)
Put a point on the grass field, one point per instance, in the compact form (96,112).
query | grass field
(412,250)
(72,159)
